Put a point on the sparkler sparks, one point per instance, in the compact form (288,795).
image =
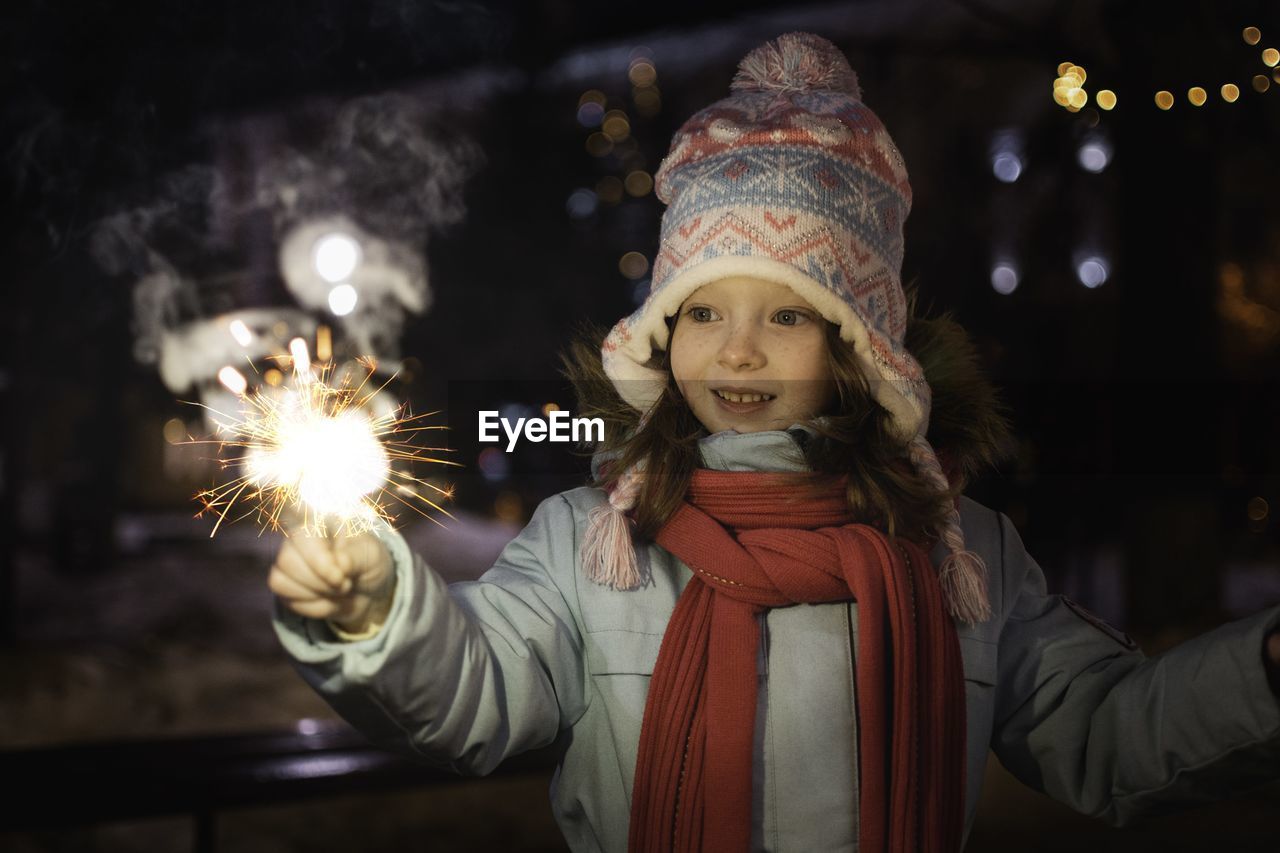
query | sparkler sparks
(314,447)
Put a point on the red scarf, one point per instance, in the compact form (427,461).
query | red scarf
(754,542)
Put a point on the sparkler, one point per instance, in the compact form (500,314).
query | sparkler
(315,448)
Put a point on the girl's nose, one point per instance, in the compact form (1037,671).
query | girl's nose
(742,348)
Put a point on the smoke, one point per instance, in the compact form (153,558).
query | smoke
(207,237)
(141,243)
(381,163)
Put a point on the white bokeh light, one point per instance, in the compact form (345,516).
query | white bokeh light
(1004,277)
(336,256)
(1092,271)
(1094,155)
(342,299)
(1006,166)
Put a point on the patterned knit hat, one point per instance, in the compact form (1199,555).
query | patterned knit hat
(790,179)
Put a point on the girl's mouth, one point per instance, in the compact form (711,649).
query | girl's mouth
(742,403)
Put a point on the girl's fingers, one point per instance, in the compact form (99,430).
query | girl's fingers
(314,609)
(286,587)
(319,558)
(295,564)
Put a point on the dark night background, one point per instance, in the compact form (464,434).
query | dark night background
(188,138)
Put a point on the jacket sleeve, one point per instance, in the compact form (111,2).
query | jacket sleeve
(462,675)
(1084,716)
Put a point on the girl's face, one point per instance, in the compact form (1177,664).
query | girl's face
(751,355)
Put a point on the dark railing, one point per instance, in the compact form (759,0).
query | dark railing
(60,787)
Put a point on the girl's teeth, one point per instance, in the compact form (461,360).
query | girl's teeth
(743,398)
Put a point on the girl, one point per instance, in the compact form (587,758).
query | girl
(738,637)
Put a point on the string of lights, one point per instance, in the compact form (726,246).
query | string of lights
(1070,94)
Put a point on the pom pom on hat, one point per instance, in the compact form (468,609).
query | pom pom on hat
(796,62)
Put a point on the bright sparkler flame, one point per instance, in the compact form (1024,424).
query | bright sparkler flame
(313,448)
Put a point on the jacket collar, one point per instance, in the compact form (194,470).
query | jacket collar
(771,450)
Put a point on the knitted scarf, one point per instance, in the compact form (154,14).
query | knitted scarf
(756,541)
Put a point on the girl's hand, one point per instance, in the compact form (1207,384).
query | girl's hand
(349,580)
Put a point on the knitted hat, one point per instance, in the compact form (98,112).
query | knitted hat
(791,179)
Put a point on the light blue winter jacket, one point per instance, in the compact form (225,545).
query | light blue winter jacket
(469,674)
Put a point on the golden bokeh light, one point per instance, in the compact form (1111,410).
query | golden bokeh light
(642,73)
(1252,35)
(1261,83)
(1106,99)
(548,408)
(1077,97)
(273,377)
(1077,71)
(638,183)
(1258,509)
(648,100)
(175,430)
(1060,96)
(1230,91)
(324,343)
(508,507)
(598,145)
(1197,96)
(1164,100)
(609,189)
(616,126)
(591,96)
(1271,57)
(1063,67)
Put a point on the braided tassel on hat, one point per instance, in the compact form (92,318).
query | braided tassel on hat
(963,574)
(608,557)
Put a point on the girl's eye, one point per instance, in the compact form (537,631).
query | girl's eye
(701,314)
(788,317)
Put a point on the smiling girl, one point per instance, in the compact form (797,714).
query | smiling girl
(772,621)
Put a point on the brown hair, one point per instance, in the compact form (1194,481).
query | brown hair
(855,438)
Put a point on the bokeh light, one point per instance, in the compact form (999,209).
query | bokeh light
(1004,277)
(175,431)
(233,380)
(1094,154)
(1271,57)
(1230,92)
(1092,271)
(638,183)
(1197,96)
(1006,166)
(493,464)
(1252,35)
(642,73)
(616,126)
(599,145)
(1261,83)
(336,256)
(648,100)
(633,265)
(609,189)
(1257,509)
(581,203)
(590,114)
(342,299)
(1164,100)
(1106,99)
